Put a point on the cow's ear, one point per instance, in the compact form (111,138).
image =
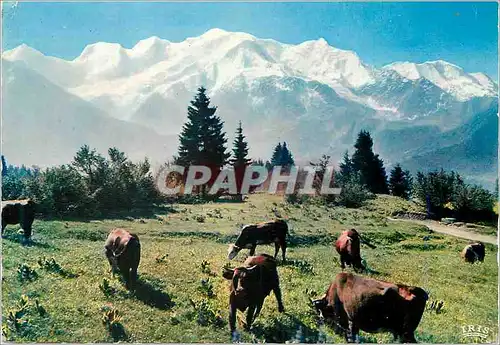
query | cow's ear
(228,273)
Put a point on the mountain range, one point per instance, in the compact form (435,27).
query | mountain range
(311,95)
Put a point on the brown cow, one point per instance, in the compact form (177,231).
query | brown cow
(473,252)
(354,303)
(19,212)
(123,251)
(348,246)
(251,284)
(262,233)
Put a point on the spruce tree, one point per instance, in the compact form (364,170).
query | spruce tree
(240,149)
(346,168)
(368,165)
(240,158)
(4,166)
(286,157)
(400,182)
(276,157)
(202,139)
(379,177)
(363,157)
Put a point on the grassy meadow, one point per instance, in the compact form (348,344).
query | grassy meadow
(182,296)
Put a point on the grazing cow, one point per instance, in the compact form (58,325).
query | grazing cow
(348,246)
(19,212)
(473,252)
(354,303)
(251,284)
(123,251)
(263,233)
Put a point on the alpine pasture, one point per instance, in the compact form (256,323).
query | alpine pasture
(59,287)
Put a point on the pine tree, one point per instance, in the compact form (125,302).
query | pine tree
(276,157)
(240,158)
(379,177)
(240,149)
(286,159)
(346,168)
(400,182)
(202,140)
(368,165)
(363,157)
(4,166)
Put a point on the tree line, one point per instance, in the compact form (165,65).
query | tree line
(94,184)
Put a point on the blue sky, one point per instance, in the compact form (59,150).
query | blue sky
(381,33)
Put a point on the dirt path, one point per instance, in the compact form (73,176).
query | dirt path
(450,230)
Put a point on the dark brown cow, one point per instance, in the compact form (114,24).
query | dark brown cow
(354,303)
(19,212)
(348,246)
(473,252)
(263,233)
(123,251)
(251,284)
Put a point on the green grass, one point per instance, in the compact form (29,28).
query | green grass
(187,244)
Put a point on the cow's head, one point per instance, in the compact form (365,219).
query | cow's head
(232,251)
(319,305)
(241,278)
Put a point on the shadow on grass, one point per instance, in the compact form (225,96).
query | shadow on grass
(150,212)
(292,241)
(285,328)
(17,238)
(301,265)
(152,296)
(118,333)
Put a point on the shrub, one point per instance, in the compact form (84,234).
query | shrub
(26,273)
(472,203)
(111,319)
(206,287)
(206,315)
(353,193)
(51,265)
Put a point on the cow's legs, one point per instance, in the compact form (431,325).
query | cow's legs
(252,249)
(250,316)
(4,224)
(342,262)
(352,333)
(258,309)
(111,260)
(232,318)
(134,265)
(408,337)
(277,293)
(276,249)
(283,249)
(133,277)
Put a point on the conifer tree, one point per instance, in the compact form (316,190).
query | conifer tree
(276,157)
(4,166)
(240,158)
(369,166)
(286,157)
(202,140)
(240,149)
(400,182)
(345,168)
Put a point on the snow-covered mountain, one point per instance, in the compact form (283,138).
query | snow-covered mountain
(314,96)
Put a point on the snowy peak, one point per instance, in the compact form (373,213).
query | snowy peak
(218,58)
(22,52)
(448,77)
